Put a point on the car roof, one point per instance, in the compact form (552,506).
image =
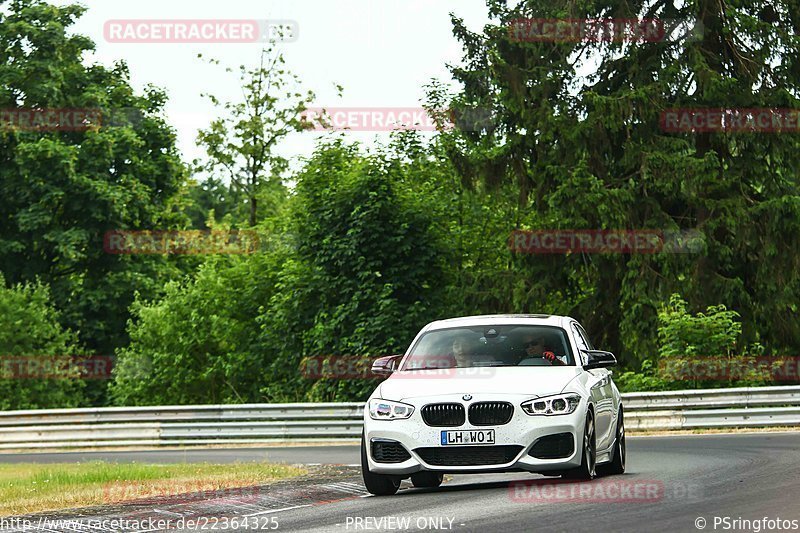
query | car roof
(488,320)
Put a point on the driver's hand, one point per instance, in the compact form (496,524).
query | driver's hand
(550,356)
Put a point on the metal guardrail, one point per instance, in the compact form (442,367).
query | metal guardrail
(750,407)
(178,425)
(713,398)
(259,423)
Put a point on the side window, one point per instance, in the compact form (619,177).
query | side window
(585,336)
(580,339)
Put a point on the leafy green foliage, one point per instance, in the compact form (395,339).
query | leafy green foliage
(197,344)
(242,143)
(368,268)
(359,272)
(648,378)
(212,198)
(62,190)
(29,332)
(366,247)
(710,334)
(700,350)
(575,133)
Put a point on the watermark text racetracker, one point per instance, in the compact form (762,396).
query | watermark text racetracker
(586,30)
(199,31)
(610,30)
(601,241)
(730,368)
(347,367)
(67,119)
(184,242)
(730,120)
(195,491)
(96,367)
(601,491)
(375,119)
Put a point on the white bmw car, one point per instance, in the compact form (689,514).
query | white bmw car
(496,393)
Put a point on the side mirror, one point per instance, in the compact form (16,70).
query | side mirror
(385,366)
(599,359)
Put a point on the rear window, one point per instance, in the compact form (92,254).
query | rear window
(495,345)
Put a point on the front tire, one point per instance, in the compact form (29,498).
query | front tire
(617,464)
(377,484)
(587,470)
(426,480)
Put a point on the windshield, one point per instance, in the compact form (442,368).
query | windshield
(494,345)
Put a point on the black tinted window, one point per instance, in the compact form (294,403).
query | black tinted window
(495,345)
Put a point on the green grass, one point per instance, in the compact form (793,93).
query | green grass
(28,488)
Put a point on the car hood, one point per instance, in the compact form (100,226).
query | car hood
(533,381)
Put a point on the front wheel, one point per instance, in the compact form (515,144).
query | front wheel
(587,469)
(617,464)
(377,484)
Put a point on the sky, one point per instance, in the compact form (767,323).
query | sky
(382,52)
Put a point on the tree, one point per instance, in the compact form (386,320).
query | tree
(30,333)
(243,142)
(62,190)
(356,270)
(587,151)
(209,195)
(367,274)
(711,334)
(197,344)
(740,189)
(702,350)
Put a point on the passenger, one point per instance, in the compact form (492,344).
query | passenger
(462,352)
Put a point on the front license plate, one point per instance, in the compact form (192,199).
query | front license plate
(470,436)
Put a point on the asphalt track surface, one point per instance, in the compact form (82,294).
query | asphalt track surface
(673,483)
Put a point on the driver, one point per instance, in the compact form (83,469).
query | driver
(534,347)
(462,352)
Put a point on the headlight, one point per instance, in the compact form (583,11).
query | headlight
(386,410)
(560,404)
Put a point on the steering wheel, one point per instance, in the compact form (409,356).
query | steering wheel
(552,362)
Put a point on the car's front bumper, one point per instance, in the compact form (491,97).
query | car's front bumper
(521,431)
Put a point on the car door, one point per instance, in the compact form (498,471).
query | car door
(602,393)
